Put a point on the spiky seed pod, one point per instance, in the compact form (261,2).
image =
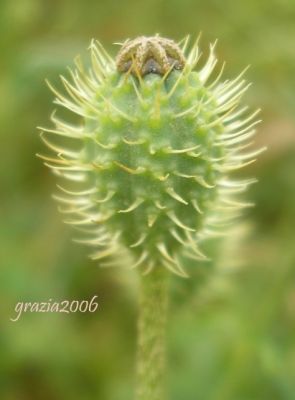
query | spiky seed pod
(156,144)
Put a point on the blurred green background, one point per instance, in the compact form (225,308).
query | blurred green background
(231,336)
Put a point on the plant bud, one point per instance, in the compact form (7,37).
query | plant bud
(148,179)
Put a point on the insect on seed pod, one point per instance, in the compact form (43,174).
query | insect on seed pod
(157,141)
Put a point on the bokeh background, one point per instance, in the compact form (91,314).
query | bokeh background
(232,326)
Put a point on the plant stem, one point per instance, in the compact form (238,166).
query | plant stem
(151,363)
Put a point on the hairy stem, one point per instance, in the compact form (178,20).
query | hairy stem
(151,363)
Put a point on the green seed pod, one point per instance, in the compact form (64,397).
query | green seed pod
(156,143)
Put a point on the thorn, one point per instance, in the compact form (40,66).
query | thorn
(175,196)
(195,256)
(194,56)
(219,120)
(120,112)
(82,193)
(60,133)
(213,234)
(93,242)
(209,66)
(63,101)
(101,167)
(150,267)
(109,195)
(228,93)
(98,220)
(169,95)
(139,241)
(70,168)
(237,204)
(236,134)
(159,205)
(134,142)
(69,153)
(174,218)
(138,95)
(133,206)
(50,159)
(74,177)
(78,96)
(85,221)
(239,139)
(142,257)
(163,250)
(233,167)
(106,146)
(241,157)
(176,236)
(180,174)
(237,184)
(193,154)
(102,254)
(195,248)
(106,54)
(97,67)
(188,111)
(235,115)
(176,269)
(85,89)
(238,124)
(74,210)
(162,178)
(217,79)
(185,42)
(164,77)
(231,82)
(226,103)
(203,183)
(196,206)
(135,69)
(138,170)
(237,149)
(152,219)
(65,127)
(169,150)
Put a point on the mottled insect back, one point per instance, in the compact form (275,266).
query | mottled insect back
(146,55)
(158,139)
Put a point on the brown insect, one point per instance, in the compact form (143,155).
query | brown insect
(145,55)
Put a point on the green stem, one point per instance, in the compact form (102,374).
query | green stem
(151,363)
